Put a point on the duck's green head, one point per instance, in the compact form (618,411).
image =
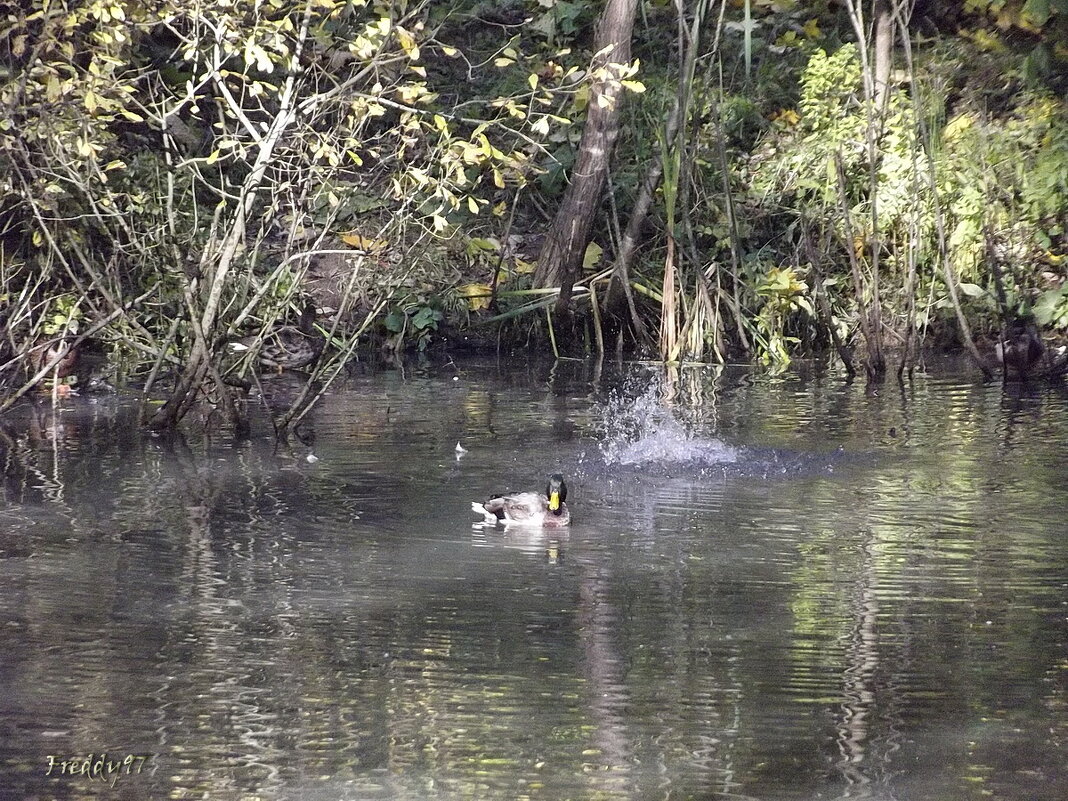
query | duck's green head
(556,492)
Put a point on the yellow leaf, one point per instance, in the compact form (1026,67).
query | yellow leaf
(525,267)
(787,116)
(90,101)
(411,92)
(362,47)
(419,176)
(471,154)
(957,126)
(254,54)
(541,126)
(811,29)
(502,62)
(451,52)
(472,205)
(634,86)
(361,242)
(478,296)
(407,43)
(532,79)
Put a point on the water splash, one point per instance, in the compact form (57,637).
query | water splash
(646,432)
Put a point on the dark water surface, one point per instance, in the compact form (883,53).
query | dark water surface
(773,589)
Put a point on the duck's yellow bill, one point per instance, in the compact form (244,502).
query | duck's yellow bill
(554,501)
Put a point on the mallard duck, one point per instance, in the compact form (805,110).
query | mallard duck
(529,508)
(61,353)
(1022,347)
(287,347)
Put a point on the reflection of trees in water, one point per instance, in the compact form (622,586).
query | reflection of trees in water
(698,635)
(191,533)
(40,445)
(854,728)
(607,695)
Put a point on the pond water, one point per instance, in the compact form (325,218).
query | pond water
(772,589)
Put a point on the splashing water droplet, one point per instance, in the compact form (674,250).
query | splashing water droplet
(644,431)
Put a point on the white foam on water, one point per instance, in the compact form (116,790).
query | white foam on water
(644,431)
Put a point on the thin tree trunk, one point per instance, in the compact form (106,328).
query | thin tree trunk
(845,353)
(884,43)
(908,357)
(565,243)
(940,226)
(629,243)
(867,315)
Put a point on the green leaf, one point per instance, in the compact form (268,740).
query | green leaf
(426,318)
(592,256)
(476,245)
(1051,306)
(1037,11)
